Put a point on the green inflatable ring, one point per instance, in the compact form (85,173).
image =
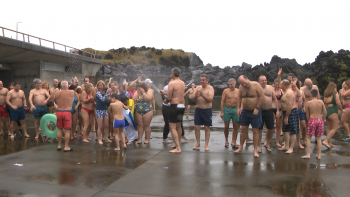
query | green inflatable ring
(46,121)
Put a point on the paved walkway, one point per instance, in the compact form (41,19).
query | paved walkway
(149,170)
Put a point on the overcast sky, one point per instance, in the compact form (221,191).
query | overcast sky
(223,33)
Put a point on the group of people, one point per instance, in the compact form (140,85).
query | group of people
(108,107)
(296,110)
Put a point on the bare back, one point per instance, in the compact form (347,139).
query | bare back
(176,88)
(64,99)
(315,108)
(117,110)
(3,94)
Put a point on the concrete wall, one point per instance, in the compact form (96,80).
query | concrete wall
(24,73)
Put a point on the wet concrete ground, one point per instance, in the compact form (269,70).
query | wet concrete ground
(149,170)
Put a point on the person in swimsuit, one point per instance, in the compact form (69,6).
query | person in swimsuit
(38,99)
(118,120)
(3,111)
(279,95)
(143,105)
(64,100)
(114,89)
(87,108)
(346,114)
(131,87)
(314,110)
(299,103)
(74,111)
(332,103)
(190,103)
(101,114)
(165,112)
(17,102)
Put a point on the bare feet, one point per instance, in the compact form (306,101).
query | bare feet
(256,155)
(1,133)
(89,139)
(85,140)
(100,142)
(318,157)
(36,137)
(301,146)
(173,146)
(175,151)
(260,150)
(306,157)
(289,151)
(129,143)
(125,146)
(206,148)
(283,148)
(146,142)
(196,146)
(139,142)
(249,140)
(238,150)
(117,149)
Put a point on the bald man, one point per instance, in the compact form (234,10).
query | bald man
(64,99)
(251,97)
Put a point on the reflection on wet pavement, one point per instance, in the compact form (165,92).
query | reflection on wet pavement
(97,170)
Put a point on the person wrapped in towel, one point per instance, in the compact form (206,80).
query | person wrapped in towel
(130,126)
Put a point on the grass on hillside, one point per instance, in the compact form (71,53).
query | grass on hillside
(139,57)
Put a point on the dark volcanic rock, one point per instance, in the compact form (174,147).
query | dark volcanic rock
(327,67)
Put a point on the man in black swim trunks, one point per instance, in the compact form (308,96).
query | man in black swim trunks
(267,112)
(175,96)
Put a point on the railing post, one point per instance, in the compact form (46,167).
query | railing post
(40,41)
(28,39)
(65,49)
(53,45)
(23,38)
(3,32)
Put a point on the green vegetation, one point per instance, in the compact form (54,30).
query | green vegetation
(141,55)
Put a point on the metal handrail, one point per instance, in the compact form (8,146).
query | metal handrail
(40,39)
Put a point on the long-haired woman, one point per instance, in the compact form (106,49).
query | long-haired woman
(101,114)
(87,108)
(346,115)
(332,104)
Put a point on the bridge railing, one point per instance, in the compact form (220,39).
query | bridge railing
(40,41)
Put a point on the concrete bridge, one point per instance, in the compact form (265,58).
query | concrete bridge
(22,61)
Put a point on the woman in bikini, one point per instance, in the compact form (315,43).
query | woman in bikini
(144,111)
(346,114)
(87,109)
(278,92)
(332,104)
(102,117)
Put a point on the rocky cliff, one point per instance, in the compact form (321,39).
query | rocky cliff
(328,66)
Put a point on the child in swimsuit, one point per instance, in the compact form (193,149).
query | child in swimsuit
(314,110)
(118,119)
